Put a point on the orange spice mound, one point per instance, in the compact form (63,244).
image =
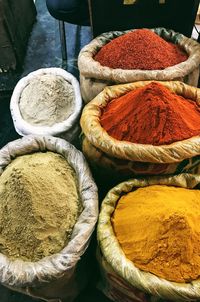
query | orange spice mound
(151,115)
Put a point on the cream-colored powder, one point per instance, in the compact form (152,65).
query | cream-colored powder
(39,205)
(46,100)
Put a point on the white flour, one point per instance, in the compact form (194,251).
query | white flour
(46,100)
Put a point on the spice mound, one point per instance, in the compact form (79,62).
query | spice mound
(47,100)
(39,206)
(158,229)
(140,49)
(151,115)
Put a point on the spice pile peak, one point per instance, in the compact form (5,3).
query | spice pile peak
(158,229)
(152,114)
(39,206)
(46,100)
(140,49)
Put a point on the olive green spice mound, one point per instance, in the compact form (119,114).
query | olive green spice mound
(39,206)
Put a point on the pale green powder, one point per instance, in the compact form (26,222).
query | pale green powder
(39,205)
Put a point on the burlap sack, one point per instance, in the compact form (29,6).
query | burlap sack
(121,280)
(94,77)
(127,158)
(59,277)
(68,129)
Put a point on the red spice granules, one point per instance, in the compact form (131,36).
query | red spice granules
(140,49)
(151,115)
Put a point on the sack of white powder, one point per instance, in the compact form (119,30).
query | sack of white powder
(47,102)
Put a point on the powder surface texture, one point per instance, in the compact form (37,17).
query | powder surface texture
(140,49)
(159,231)
(39,205)
(47,100)
(151,115)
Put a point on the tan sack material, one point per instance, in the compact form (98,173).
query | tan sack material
(66,127)
(197,20)
(128,2)
(130,158)
(59,277)
(94,77)
(121,280)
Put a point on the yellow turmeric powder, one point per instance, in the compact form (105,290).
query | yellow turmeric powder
(158,228)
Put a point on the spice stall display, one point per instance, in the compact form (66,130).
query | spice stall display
(143,128)
(48,212)
(137,55)
(47,102)
(148,235)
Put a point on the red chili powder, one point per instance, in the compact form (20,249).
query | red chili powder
(151,115)
(140,49)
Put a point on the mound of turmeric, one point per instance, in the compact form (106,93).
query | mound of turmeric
(159,231)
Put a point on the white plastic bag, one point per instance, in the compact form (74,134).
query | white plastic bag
(67,129)
(58,276)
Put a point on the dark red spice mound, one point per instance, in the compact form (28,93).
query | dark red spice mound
(140,49)
(151,115)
